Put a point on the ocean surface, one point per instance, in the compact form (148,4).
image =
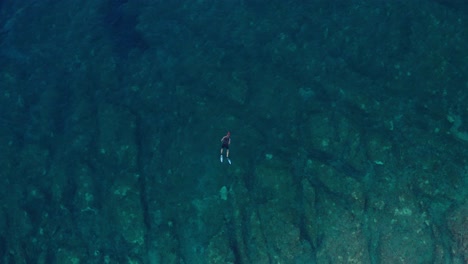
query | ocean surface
(348,125)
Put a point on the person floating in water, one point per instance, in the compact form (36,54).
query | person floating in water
(225,142)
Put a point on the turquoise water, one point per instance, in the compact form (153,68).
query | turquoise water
(348,121)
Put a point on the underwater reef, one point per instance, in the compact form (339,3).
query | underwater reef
(348,120)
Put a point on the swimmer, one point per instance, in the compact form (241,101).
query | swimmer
(225,142)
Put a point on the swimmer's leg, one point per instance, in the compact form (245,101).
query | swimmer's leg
(227,156)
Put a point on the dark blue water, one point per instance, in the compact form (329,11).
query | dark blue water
(348,121)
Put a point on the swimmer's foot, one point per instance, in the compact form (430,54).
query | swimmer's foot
(229,160)
(221,158)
